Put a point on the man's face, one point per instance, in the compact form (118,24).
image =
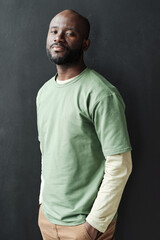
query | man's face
(65,41)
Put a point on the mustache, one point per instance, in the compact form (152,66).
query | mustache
(58,44)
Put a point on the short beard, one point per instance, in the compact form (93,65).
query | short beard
(70,57)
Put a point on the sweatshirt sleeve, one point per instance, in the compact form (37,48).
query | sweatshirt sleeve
(117,170)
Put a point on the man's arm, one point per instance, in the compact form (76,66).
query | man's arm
(117,170)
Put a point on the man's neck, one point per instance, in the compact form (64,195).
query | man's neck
(69,71)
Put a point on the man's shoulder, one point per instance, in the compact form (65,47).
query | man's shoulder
(46,86)
(98,84)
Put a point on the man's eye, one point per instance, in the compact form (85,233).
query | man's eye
(70,34)
(54,31)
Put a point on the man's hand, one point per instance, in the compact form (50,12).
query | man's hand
(92,232)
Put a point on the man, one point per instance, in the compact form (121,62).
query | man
(84,142)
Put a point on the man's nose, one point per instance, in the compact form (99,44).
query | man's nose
(59,37)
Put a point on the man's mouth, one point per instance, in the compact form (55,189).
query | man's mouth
(58,47)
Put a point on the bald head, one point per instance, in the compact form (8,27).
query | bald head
(83,22)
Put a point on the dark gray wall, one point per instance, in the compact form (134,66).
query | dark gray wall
(125,49)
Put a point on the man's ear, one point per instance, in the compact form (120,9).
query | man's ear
(86,44)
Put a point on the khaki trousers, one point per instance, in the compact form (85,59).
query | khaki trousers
(52,231)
